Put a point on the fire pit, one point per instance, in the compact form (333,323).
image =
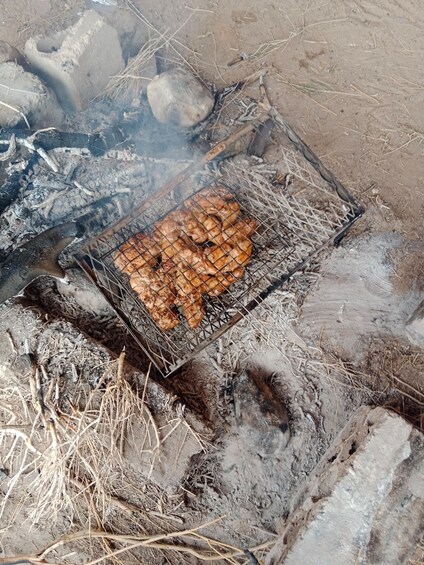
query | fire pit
(298,207)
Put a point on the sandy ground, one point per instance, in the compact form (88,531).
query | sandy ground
(347,75)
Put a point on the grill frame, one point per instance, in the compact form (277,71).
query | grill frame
(169,354)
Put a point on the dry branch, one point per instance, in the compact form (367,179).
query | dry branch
(214,550)
(76,453)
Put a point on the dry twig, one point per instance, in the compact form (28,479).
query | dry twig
(212,550)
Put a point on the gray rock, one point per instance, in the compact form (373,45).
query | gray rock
(178,98)
(363,503)
(79,61)
(133,34)
(23,94)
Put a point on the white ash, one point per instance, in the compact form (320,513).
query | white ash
(355,299)
(50,198)
(254,489)
(79,302)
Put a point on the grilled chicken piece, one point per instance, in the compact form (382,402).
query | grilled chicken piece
(193,223)
(208,227)
(157,291)
(188,286)
(218,202)
(139,252)
(193,310)
(214,285)
(242,228)
(230,255)
(179,248)
(168,226)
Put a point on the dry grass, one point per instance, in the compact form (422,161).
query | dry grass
(418,557)
(71,462)
(409,269)
(81,448)
(266,49)
(57,449)
(130,82)
(398,368)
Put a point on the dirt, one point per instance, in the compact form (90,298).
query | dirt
(409,260)
(397,367)
(347,76)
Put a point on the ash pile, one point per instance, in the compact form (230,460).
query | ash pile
(139,438)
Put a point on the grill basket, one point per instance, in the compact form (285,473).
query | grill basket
(298,207)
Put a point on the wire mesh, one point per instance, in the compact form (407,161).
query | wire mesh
(179,285)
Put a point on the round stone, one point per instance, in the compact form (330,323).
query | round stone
(178,98)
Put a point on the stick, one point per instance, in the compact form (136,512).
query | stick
(18,112)
(8,154)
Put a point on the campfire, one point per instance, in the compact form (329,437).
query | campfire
(290,224)
(294,204)
(156,232)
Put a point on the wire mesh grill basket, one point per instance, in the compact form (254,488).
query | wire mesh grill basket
(293,208)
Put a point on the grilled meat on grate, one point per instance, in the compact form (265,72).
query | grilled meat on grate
(169,267)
